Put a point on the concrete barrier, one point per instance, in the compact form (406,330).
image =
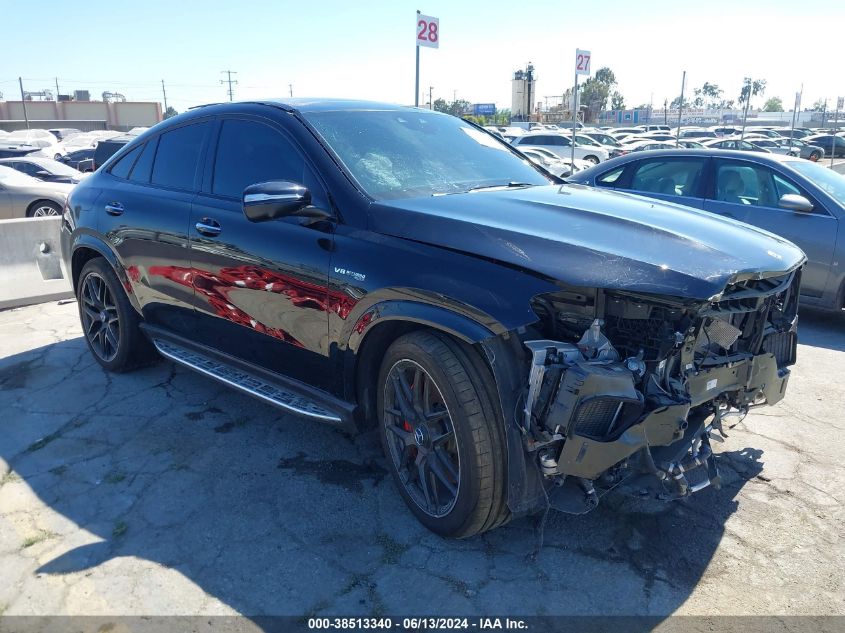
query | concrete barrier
(31,267)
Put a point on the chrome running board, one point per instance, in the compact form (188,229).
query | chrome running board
(245,381)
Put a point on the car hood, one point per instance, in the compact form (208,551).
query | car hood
(593,238)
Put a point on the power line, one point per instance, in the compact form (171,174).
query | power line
(229,81)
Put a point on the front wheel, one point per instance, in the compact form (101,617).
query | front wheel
(442,435)
(592,159)
(815,157)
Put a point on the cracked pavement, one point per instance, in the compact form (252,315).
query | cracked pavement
(160,492)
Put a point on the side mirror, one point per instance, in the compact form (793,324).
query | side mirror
(794,202)
(277,199)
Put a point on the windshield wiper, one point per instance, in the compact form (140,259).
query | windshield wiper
(510,185)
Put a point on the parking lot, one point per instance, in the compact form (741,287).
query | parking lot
(160,492)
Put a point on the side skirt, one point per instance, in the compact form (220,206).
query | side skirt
(280,391)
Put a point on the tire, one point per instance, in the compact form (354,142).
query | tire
(43,209)
(592,159)
(449,382)
(815,157)
(109,322)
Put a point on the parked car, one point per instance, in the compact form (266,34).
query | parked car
(644,145)
(560,145)
(24,196)
(798,199)
(697,133)
(832,145)
(688,144)
(764,131)
(567,164)
(774,145)
(14,150)
(625,130)
(40,142)
(584,140)
(81,160)
(725,130)
(553,164)
(603,138)
(519,344)
(107,147)
(44,169)
(63,133)
(805,150)
(734,142)
(658,136)
(654,128)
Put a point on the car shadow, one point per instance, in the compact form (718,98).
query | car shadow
(270,515)
(820,328)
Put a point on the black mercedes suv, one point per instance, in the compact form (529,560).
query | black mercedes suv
(520,343)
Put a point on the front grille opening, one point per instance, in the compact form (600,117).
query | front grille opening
(602,416)
(784,347)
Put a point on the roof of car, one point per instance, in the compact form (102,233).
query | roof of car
(697,153)
(318,105)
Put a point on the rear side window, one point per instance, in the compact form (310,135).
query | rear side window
(178,156)
(610,178)
(124,164)
(144,166)
(678,177)
(249,152)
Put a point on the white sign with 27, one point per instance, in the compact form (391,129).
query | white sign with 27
(582,62)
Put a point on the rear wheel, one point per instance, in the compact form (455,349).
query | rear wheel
(441,434)
(109,322)
(592,159)
(43,209)
(815,156)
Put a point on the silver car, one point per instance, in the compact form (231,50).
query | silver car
(23,196)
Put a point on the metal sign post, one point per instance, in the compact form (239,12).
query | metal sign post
(23,103)
(582,67)
(794,116)
(840,103)
(427,34)
(680,110)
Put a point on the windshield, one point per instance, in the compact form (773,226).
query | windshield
(406,153)
(55,167)
(12,177)
(824,178)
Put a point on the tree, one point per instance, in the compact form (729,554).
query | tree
(170,112)
(617,101)
(750,89)
(596,91)
(820,105)
(676,103)
(774,104)
(440,105)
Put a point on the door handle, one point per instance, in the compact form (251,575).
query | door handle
(208,227)
(114,208)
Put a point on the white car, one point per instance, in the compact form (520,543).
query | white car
(561,146)
(41,141)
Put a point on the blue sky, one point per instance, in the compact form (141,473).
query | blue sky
(366,49)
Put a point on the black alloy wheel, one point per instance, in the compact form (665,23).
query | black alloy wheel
(421,438)
(100,319)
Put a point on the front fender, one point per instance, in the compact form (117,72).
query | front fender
(470,329)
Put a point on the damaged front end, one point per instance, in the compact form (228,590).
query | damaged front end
(628,390)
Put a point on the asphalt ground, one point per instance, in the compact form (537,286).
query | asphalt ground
(160,492)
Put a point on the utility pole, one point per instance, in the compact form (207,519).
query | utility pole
(430,102)
(680,109)
(665,111)
(23,103)
(57,89)
(164,94)
(290,87)
(229,81)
